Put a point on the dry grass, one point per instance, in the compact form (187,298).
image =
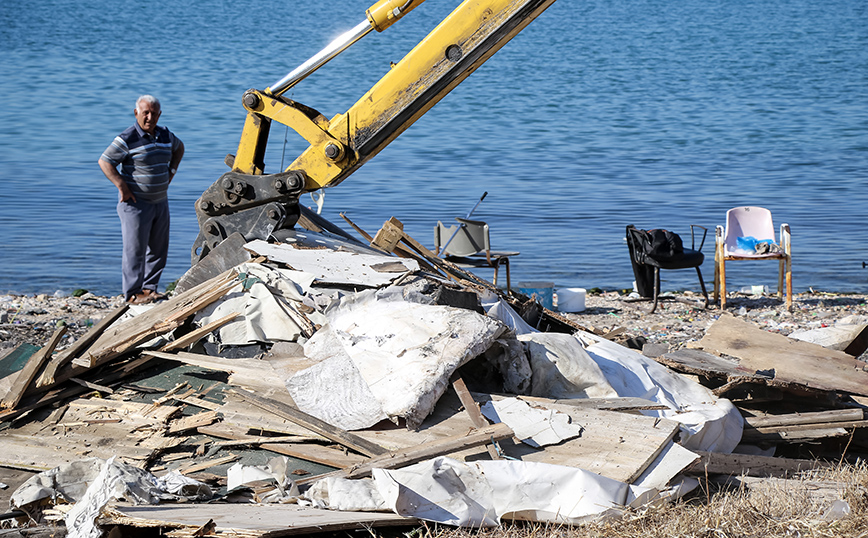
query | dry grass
(757,508)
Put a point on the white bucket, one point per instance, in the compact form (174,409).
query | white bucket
(571,299)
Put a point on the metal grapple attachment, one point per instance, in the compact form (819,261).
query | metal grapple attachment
(253,205)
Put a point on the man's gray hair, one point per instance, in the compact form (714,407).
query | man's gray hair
(148,99)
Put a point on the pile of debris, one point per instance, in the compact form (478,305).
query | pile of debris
(390,389)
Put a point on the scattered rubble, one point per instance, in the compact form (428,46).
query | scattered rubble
(330,374)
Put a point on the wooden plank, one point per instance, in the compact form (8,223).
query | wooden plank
(253,373)
(801,431)
(313,424)
(785,359)
(472,409)
(31,369)
(817,417)
(249,520)
(203,418)
(61,359)
(194,336)
(202,465)
(92,386)
(132,410)
(199,402)
(249,417)
(307,451)
(795,434)
(750,465)
(624,404)
(697,362)
(398,459)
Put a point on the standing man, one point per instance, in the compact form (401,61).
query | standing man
(149,157)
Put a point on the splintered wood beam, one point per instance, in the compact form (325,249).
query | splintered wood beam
(195,468)
(312,423)
(62,358)
(193,421)
(160,319)
(59,393)
(409,456)
(27,374)
(194,336)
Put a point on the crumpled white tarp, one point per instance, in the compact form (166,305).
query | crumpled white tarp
(276,471)
(563,369)
(263,317)
(481,493)
(93,482)
(534,426)
(70,482)
(707,422)
(346,494)
(387,358)
(495,307)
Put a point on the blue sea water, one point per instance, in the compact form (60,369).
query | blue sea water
(598,115)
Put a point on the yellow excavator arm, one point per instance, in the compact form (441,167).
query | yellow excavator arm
(248,201)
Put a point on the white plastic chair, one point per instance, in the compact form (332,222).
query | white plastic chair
(753,222)
(470,246)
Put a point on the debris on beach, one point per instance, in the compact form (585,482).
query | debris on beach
(321,383)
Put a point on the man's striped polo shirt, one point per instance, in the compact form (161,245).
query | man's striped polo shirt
(144,161)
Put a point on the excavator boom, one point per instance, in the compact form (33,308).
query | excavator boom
(248,201)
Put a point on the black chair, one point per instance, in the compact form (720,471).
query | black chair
(646,268)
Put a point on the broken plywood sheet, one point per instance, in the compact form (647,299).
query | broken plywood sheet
(249,520)
(615,445)
(89,427)
(337,267)
(785,359)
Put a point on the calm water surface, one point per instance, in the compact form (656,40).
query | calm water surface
(598,115)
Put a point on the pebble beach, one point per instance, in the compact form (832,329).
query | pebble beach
(680,317)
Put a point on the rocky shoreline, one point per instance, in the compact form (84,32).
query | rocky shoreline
(680,318)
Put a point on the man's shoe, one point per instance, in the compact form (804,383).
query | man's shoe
(154,295)
(140,298)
